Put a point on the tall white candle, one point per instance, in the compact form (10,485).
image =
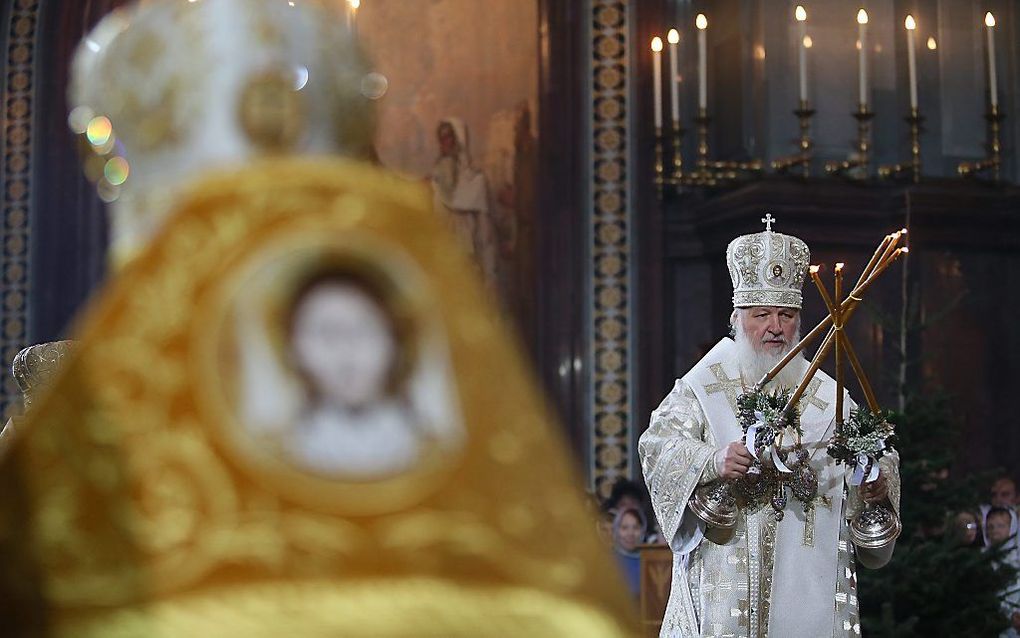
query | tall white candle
(352,15)
(862,56)
(911,59)
(702,23)
(993,88)
(657,79)
(674,89)
(801,16)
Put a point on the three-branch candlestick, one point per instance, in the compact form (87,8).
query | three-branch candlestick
(913,168)
(857,166)
(992,164)
(803,158)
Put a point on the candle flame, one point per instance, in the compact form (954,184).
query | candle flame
(673,36)
(656,44)
(909,22)
(814,269)
(905,249)
(808,42)
(862,17)
(355,4)
(839,266)
(989,19)
(800,13)
(932,45)
(904,231)
(701,21)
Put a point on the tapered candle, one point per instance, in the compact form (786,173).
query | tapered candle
(674,89)
(352,15)
(992,85)
(657,80)
(862,57)
(874,259)
(846,308)
(838,324)
(801,16)
(911,59)
(702,23)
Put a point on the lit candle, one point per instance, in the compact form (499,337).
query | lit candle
(702,23)
(352,15)
(911,59)
(838,322)
(674,90)
(657,79)
(801,16)
(992,88)
(862,57)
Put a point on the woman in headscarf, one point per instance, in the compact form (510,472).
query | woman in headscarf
(629,528)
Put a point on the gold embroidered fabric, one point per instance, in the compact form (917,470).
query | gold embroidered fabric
(137,501)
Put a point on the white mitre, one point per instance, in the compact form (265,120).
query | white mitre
(767,268)
(194,85)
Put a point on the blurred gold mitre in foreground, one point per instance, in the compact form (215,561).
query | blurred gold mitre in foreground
(163,92)
(159,490)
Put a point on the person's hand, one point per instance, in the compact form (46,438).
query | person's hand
(876,491)
(732,461)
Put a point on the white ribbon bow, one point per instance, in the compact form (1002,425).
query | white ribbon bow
(749,439)
(865,470)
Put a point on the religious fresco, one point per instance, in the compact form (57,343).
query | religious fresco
(460,112)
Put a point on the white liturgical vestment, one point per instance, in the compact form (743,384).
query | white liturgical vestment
(790,578)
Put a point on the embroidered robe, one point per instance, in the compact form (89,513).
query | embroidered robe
(791,578)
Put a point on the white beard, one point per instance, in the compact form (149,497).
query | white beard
(754,363)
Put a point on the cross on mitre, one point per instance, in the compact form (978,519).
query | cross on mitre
(768,220)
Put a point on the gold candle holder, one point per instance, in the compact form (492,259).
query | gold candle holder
(702,175)
(677,178)
(858,166)
(912,168)
(992,164)
(659,169)
(714,173)
(803,158)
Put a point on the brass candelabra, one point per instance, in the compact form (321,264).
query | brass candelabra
(706,172)
(802,159)
(913,167)
(992,164)
(858,165)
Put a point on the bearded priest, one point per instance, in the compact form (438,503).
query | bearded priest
(789,573)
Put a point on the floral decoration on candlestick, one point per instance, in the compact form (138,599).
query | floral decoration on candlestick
(765,420)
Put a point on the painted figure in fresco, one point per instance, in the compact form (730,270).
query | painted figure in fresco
(512,169)
(462,192)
